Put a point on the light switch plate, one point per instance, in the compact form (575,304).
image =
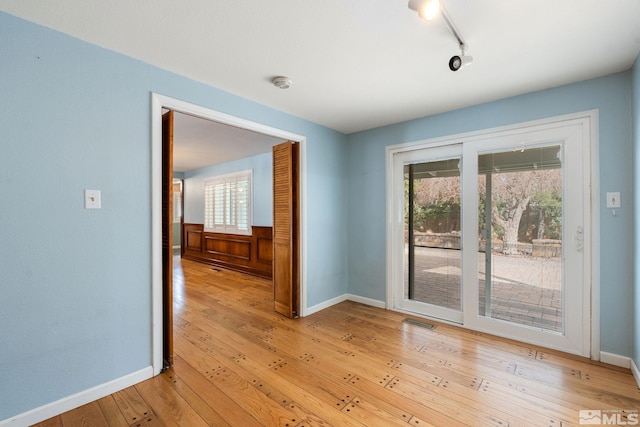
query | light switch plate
(92,199)
(613,200)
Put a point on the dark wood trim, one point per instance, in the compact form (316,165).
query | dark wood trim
(249,254)
(167,238)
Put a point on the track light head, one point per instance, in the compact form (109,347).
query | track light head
(426,9)
(458,61)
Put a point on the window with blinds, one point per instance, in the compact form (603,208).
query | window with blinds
(227,203)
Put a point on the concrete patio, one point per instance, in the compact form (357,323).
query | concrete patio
(525,289)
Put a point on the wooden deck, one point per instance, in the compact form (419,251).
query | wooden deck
(240,364)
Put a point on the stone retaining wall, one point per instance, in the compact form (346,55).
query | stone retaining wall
(546,248)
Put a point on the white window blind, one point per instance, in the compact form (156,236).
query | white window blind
(227,203)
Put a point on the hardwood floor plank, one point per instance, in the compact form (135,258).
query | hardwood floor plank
(323,396)
(238,363)
(205,397)
(112,412)
(51,422)
(523,351)
(167,403)
(315,385)
(527,368)
(86,415)
(132,405)
(234,380)
(339,366)
(381,375)
(204,410)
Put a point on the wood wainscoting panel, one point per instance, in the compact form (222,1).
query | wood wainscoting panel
(264,244)
(249,254)
(192,238)
(228,246)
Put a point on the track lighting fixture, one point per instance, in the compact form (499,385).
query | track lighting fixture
(427,10)
(458,61)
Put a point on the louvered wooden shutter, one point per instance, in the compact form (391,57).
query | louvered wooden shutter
(285,229)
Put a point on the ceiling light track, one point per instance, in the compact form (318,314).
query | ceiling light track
(428,10)
(453,29)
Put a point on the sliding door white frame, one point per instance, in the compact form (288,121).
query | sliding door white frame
(582,125)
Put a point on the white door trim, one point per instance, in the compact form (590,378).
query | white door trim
(436,153)
(158,102)
(589,122)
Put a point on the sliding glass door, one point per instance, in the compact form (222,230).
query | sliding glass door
(432,276)
(520,219)
(491,232)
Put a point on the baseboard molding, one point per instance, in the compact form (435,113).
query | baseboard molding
(367,301)
(342,298)
(76,400)
(615,359)
(316,308)
(635,372)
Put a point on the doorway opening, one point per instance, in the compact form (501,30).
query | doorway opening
(160,102)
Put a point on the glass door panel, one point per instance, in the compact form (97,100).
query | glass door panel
(520,225)
(432,230)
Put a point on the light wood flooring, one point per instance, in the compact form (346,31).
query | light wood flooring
(237,363)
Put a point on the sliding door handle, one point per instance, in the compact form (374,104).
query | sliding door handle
(578,238)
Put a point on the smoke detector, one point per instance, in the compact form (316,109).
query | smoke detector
(282,82)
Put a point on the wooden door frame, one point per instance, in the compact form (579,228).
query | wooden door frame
(167,238)
(158,102)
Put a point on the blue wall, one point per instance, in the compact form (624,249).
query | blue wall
(75,284)
(611,95)
(636,206)
(262,167)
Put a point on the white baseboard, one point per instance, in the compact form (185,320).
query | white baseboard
(342,298)
(326,304)
(635,372)
(76,400)
(367,301)
(615,359)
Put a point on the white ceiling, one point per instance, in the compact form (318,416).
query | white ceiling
(199,142)
(358,64)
